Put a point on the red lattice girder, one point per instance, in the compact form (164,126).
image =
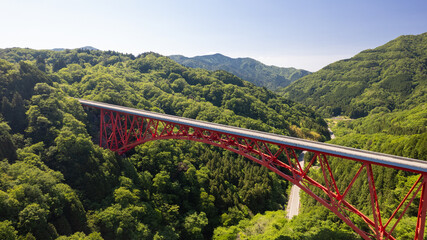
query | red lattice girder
(121,132)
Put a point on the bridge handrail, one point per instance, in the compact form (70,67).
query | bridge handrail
(393,161)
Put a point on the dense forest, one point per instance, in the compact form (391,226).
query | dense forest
(391,101)
(56,183)
(391,118)
(249,69)
(387,78)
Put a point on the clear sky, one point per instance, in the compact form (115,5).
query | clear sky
(306,34)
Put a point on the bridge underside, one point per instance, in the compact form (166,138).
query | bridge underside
(121,132)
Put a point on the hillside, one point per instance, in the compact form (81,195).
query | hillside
(387,78)
(390,103)
(249,69)
(56,181)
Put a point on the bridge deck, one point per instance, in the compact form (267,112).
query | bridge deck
(398,162)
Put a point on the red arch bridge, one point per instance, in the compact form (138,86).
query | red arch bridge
(122,128)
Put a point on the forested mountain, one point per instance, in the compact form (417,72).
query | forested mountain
(56,182)
(249,69)
(385,88)
(82,48)
(389,77)
(394,106)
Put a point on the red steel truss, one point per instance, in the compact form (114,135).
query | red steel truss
(121,132)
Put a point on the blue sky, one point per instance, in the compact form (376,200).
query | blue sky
(306,34)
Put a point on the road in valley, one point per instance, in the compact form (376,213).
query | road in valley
(294,199)
(331,133)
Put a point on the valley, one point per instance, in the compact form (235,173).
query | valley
(249,69)
(57,183)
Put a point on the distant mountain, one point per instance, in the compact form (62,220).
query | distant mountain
(387,78)
(82,48)
(88,48)
(248,69)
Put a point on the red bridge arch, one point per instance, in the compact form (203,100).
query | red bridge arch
(121,129)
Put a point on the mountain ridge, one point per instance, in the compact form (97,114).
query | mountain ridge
(271,77)
(391,76)
(81,48)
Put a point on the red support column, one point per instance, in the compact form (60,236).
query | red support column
(341,197)
(414,194)
(101,127)
(120,136)
(379,231)
(421,220)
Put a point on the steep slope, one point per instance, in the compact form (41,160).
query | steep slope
(57,181)
(389,77)
(251,70)
(193,87)
(387,86)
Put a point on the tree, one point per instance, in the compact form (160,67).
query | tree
(33,217)
(124,197)
(59,64)
(7,147)
(82,236)
(41,63)
(194,224)
(7,231)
